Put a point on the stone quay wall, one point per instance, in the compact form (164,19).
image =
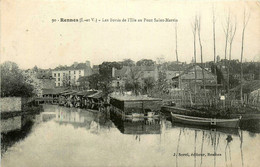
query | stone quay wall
(11,104)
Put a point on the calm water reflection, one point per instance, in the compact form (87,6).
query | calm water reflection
(73,137)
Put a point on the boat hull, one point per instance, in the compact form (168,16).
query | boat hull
(226,123)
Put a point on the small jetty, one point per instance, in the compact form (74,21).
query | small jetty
(135,106)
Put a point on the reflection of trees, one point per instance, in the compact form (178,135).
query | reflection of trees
(203,135)
(241,147)
(212,138)
(10,138)
(177,152)
(228,139)
(195,148)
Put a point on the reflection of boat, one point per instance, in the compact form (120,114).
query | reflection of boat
(232,131)
(228,123)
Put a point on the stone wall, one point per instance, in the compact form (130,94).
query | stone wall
(10,104)
(11,124)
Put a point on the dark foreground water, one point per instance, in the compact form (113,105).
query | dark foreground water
(69,137)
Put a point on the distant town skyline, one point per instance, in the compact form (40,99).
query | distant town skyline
(29,38)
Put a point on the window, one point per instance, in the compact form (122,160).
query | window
(79,72)
(58,74)
(58,79)
(54,74)
(58,84)
(74,72)
(69,72)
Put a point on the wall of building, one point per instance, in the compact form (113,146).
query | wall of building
(59,76)
(115,83)
(71,75)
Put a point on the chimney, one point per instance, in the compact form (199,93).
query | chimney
(75,64)
(88,63)
(113,71)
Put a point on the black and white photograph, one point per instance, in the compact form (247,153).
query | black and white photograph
(130,83)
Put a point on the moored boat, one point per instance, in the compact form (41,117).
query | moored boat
(199,121)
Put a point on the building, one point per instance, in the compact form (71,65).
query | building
(95,69)
(170,74)
(39,79)
(123,75)
(186,80)
(68,76)
(120,76)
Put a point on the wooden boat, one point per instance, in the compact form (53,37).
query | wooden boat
(227,123)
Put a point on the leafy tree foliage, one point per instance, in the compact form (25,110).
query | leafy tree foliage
(127,62)
(149,83)
(134,80)
(94,81)
(13,82)
(105,69)
(145,62)
(66,81)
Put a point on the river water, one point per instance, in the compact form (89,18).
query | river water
(71,137)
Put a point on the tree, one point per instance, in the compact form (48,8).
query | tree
(149,83)
(194,31)
(198,22)
(226,32)
(94,81)
(134,80)
(220,76)
(214,43)
(66,81)
(105,69)
(105,85)
(13,83)
(127,62)
(145,62)
(176,51)
(214,33)
(230,40)
(245,21)
(35,68)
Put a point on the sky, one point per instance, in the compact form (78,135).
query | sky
(29,37)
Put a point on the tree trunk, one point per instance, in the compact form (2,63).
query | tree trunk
(194,29)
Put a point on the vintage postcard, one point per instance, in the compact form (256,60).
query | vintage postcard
(134,83)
